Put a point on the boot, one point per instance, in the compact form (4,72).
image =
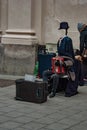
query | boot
(52,94)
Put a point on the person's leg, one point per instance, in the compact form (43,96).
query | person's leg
(55,85)
(81,75)
(84,70)
(72,85)
(46,74)
(79,72)
(71,88)
(47,78)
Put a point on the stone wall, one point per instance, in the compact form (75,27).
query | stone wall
(56,11)
(26,23)
(18,39)
(17,59)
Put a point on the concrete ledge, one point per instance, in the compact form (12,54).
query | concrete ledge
(22,32)
(10,77)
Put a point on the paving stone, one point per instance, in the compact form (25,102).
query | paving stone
(58,113)
(9,125)
(3,118)
(56,126)
(34,126)
(23,119)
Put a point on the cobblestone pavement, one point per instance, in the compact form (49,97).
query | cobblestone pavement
(6,83)
(58,113)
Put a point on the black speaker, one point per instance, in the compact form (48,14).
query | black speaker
(31,91)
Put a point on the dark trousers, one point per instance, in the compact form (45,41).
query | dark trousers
(79,72)
(55,79)
(84,66)
(72,86)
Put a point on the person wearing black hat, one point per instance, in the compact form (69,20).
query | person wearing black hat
(65,48)
(64,45)
(64,25)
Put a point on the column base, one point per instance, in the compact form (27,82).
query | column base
(19,54)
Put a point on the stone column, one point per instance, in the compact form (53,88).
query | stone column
(19,40)
(19,20)
(4,15)
(38,18)
(0,21)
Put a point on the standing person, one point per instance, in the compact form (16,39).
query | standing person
(82,28)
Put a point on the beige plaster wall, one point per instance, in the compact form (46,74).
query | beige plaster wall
(0,14)
(19,42)
(27,22)
(4,15)
(73,11)
(19,14)
(0,21)
(43,16)
(37,12)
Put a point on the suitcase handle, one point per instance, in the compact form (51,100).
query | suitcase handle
(39,93)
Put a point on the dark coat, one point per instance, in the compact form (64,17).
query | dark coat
(83,39)
(65,47)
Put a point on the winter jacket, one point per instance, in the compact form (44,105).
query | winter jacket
(65,47)
(83,39)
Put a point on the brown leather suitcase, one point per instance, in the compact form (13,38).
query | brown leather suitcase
(31,91)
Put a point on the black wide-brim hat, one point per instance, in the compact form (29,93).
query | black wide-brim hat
(63,25)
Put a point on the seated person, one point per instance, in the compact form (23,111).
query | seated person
(65,48)
(55,76)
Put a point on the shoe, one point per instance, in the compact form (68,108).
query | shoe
(52,95)
(66,95)
(69,95)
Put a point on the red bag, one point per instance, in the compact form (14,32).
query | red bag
(59,68)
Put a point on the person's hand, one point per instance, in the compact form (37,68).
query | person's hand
(78,57)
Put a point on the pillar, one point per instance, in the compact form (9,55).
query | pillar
(19,38)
